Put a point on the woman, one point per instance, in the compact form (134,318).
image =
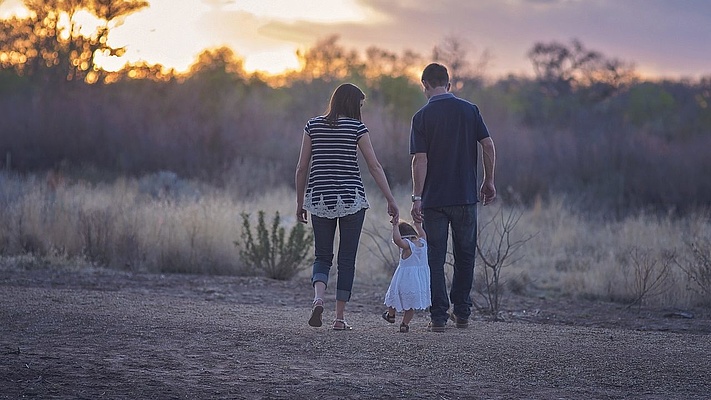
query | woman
(335,195)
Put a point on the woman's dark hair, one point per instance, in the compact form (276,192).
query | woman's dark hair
(406,229)
(435,75)
(345,102)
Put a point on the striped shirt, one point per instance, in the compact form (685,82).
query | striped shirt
(335,188)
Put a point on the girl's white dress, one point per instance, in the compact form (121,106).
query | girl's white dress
(410,285)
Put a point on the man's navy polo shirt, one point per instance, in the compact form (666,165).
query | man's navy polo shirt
(448,129)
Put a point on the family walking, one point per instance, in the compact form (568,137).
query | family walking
(444,139)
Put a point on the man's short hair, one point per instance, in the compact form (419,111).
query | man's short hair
(435,75)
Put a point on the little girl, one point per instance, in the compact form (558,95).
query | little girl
(410,286)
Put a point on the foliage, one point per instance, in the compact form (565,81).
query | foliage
(52,45)
(329,61)
(265,251)
(562,69)
(584,119)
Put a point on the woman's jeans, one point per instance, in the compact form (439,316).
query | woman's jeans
(437,222)
(349,228)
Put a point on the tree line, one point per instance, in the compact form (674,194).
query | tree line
(584,125)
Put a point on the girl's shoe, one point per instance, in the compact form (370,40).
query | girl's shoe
(404,328)
(341,325)
(316,313)
(388,317)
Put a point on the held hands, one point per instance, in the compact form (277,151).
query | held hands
(416,211)
(394,212)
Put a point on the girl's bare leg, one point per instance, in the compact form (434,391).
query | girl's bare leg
(391,312)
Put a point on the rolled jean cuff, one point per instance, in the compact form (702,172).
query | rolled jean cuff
(319,277)
(343,295)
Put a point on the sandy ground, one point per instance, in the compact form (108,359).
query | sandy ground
(93,334)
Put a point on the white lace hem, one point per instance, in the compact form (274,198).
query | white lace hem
(409,288)
(341,209)
(403,301)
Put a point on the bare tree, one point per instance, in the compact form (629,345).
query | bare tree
(697,268)
(454,52)
(498,249)
(381,246)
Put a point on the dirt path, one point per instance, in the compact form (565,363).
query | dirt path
(105,334)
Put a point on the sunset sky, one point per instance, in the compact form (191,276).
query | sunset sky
(667,38)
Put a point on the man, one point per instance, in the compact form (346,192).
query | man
(443,141)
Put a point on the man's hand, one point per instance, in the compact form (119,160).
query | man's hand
(488,193)
(416,211)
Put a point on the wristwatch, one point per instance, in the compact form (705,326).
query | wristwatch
(416,198)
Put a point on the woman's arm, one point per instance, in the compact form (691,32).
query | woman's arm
(302,170)
(378,174)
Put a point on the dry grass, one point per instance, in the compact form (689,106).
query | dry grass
(595,259)
(163,224)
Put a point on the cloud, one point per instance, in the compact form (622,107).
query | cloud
(661,36)
(666,37)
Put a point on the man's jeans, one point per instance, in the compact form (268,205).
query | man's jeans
(349,228)
(436,223)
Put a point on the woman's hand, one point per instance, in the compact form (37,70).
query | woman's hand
(302,215)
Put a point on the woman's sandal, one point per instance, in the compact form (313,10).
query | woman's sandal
(343,325)
(316,312)
(404,328)
(388,317)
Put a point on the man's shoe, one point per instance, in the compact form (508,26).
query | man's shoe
(435,327)
(459,322)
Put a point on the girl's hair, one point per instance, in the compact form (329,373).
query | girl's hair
(406,229)
(345,102)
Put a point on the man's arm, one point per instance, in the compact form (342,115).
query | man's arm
(419,173)
(488,188)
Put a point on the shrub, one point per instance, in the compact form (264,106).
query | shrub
(649,275)
(267,252)
(498,249)
(697,268)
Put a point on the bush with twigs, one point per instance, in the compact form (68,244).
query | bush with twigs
(498,249)
(647,275)
(697,268)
